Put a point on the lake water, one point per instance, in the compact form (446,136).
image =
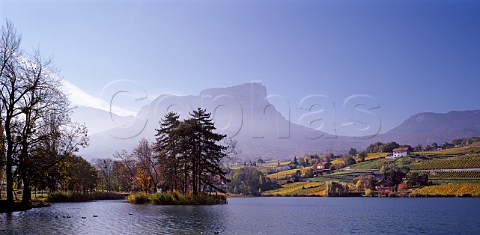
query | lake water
(255,216)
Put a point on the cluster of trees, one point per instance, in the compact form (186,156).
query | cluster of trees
(190,153)
(379,147)
(462,142)
(185,158)
(465,141)
(37,132)
(431,147)
(250,182)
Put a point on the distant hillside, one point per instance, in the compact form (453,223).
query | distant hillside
(426,128)
(98,120)
(244,113)
(241,112)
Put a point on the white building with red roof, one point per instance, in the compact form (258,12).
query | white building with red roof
(401,152)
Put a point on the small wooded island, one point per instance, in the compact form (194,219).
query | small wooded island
(187,162)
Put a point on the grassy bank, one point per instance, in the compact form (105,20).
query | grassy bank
(18,206)
(81,197)
(177,199)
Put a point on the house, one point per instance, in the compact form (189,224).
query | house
(323,165)
(401,152)
(283,168)
(384,186)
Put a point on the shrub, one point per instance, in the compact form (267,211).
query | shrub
(68,197)
(177,199)
(138,198)
(61,196)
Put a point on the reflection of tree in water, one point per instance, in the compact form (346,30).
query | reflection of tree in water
(195,219)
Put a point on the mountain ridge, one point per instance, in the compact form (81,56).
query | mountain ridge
(244,113)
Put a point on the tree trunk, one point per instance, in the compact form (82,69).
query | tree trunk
(9,175)
(27,191)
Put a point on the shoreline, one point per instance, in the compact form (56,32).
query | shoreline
(18,206)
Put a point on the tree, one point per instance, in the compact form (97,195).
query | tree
(393,174)
(362,155)
(348,160)
(168,153)
(2,158)
(207,154)
(352,152)
(143,180)
(145,159)
(366,182)
(306,172)
(75,174)
(193,147)
(389,147)
(416,179)
(295,160)
(126,169)
(30,93)
(418,148)
(327,157)
(379,147)
(250,182)
(9,49)
(359,185)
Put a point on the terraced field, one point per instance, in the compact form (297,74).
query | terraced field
(455,175)
(373,156)
(283,174)
(448,190)
(449,163)
(471,150)
(299,189)
(373,164)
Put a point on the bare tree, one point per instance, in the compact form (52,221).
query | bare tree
(10,95)
(145,159)
(105,168)
(34,112)
(128,164)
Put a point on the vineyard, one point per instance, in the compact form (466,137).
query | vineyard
(453,151)
(455,175)
(283,174)
(299,189)
(448,190)
(374,164)
(373,156)
(451,163)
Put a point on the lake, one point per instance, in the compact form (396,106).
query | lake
(254,216)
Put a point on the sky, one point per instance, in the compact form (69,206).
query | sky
(397,58)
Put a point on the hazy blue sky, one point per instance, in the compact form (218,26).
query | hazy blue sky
(409,56)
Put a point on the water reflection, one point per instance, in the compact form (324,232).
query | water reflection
(115,217)
(253,216)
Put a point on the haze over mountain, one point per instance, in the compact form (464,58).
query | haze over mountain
(244,113)
(98,120)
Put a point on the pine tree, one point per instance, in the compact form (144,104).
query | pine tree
(167,149)
(190,149)
(207,154)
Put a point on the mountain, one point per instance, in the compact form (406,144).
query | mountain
(426,128)
(98,120)
(244,113)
